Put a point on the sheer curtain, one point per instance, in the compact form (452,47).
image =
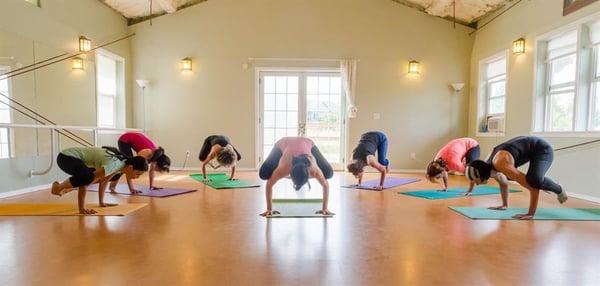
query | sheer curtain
(349,82)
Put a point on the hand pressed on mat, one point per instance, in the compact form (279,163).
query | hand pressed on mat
(87,211)
(269,213)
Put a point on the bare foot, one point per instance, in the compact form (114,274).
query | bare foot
(57,191)
(523,216)
(269,213)
(325,212)
(499,208)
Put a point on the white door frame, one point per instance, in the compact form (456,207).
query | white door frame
(258,107)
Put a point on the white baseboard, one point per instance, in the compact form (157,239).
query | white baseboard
(24,191)
(584,197)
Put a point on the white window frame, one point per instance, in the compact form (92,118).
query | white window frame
(551,90)
(119,98)
(484,93)
(10,139)
(586,64)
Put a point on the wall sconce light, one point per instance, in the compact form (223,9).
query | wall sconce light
(519,46)
(77,64)
(85,44)
(186,64)
(413,67)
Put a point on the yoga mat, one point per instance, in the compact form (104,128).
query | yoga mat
(453,193)
(297,208)
(390,182)
(221,181)
(123,189)
(577,214)
(64,209)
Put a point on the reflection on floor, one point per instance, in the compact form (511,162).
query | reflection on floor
(216,237)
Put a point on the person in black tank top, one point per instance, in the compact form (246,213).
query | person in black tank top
(364,154)
(503,163)
(219,147)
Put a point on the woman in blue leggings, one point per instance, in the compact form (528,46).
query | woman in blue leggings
(364,154)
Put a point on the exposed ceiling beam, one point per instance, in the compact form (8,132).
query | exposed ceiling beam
(168,5)
(133,21)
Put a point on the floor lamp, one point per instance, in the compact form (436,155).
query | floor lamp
(143,83)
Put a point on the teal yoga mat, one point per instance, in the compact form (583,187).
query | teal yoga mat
(577,214)
(298,208)
(221,181)
(453,193)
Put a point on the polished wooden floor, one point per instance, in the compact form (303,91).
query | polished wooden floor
(215,237)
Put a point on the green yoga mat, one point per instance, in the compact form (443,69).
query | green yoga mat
(221,181)
(453,193)
(585,214)
(297,208)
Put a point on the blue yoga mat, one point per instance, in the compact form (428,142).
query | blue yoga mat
(453,193)
(584,214)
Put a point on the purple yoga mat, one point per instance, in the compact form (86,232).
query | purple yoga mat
(146,192)
(390,182)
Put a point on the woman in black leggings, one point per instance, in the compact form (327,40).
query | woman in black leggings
(219,147)
(90,165)
(504,161)
(299,158)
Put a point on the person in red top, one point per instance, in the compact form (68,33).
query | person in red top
(144,147)
(454,157)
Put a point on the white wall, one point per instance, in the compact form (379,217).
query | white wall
(575,169)
(65,96)
(419,114)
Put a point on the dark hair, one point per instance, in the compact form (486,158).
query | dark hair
(436,167)
(482,169)
(299,172)
(356,167)
(138,163)
(163,162)
(226,157)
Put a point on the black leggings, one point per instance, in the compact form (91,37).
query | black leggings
(473,154)
(207,145)
(539,164)
(126,149)
(81,175)
(272,161)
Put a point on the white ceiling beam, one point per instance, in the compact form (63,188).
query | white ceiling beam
(170,6)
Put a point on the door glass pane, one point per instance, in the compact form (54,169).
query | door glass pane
(561,111)
(280,109)
(106,111)
(323,115)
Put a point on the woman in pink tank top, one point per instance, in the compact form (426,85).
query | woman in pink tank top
(299,158)
(144,147)
(453,157)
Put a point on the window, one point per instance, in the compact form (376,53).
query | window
(5,116)
(567,91)
(561,70)
(492,93)
(110,102)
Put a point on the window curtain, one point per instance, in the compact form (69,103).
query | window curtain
(348,68)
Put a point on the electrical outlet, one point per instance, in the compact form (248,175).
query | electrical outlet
(187,153)
(413,156)
(376,116)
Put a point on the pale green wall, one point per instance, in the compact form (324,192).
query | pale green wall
(416,112)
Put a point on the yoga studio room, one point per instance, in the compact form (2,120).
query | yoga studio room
(300,142)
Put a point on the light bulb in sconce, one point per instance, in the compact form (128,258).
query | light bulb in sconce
(77,63)
(457,86)
(143,83)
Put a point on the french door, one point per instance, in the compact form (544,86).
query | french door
(309,104)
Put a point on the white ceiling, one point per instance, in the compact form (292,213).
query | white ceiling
(467,11)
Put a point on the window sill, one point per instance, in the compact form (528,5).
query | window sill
(490,134)
(567,134)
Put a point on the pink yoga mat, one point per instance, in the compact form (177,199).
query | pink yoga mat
(146,192)
(390,182)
